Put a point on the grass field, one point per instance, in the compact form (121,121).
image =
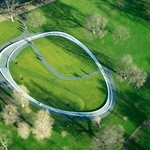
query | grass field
(80,95)
(68,16)
(6,29)
(65,56)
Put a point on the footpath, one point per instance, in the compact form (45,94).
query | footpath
(27,8)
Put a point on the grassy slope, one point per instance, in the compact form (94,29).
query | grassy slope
(65,56)
(85,94)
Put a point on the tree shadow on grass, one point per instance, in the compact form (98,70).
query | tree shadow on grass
(134,10)
(73,50)
(74,127)
(62,16)
(103,89)
(49,98)
(134,104)
(102,57)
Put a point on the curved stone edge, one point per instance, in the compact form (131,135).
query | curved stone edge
(102,112)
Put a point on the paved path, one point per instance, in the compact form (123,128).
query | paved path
(7,53)
(50,68)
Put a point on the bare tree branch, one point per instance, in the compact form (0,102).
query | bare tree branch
(43,125)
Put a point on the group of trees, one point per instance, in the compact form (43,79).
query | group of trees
(126,70)
(95,26)
(41,124)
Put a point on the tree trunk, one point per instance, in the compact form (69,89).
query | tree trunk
(12,19)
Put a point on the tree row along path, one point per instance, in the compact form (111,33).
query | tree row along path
(29,8)
(8,52)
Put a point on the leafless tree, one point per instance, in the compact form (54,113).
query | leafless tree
(23,130)
(5,140)
(96,120)
(43,125)
(137,77)
(126,70)
(9,7)
(121,33)
(10,114)
(95,26)
(124,67)
(19,96)
(35,19)
(110,138)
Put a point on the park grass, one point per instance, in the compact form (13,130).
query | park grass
(74,132)
(70,17)
(65,56)
(8,31)
(140,140)
(80,95)
(60,17)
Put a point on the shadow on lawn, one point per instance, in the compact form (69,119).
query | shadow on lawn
(134,10)
(62,16)
(134,103)
(103,89)
(51,99)
(74,50)
(104,59)
(74,127)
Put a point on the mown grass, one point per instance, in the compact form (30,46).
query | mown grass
(77,132)
(80,95)
(8,31)
(68,16)
(66,57)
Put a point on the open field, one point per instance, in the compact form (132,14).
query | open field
(68,16)
(81,95)
(6,29)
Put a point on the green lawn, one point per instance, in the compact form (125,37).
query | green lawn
(66,57)
(81,95)
(140,139)
(68,16)
(9,30)
(76,132)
